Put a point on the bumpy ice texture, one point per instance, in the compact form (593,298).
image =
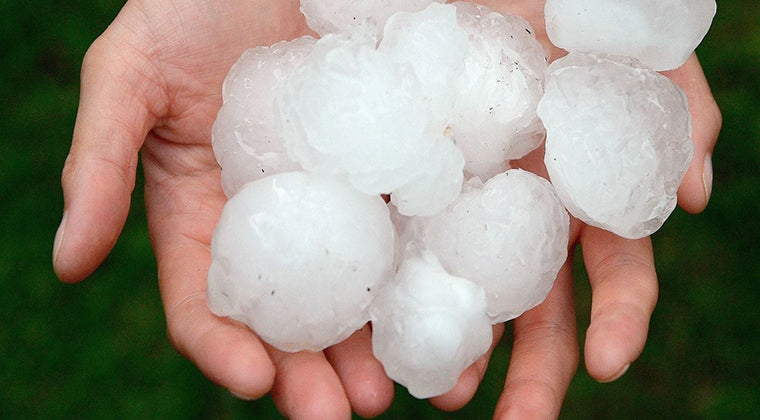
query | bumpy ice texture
(351,109)
(618,161)
(244,138)
(428,326)
(498,91)
(660,33)
(298,257)
(433,44)
(328,16)
(509,236)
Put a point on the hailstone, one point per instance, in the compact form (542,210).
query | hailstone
(328,16)
(428,326)
(244,137)
(618,141)
(298,258)
(498,91)
(659,33)
(508,235)
(350,109)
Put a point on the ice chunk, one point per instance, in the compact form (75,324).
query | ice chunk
(298,257)
(435,46)
(351,109)
(660,33)
(244,137)
(509,236)
(428,326)
(618,141)
(497,94)
(437,184)
(328,16)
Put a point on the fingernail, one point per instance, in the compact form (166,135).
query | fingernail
(59,238)
(240,396)
(617,376)
(707,176)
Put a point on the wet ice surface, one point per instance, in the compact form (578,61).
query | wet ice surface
(495,110)
(244,138)
(298,257)
(428,326)
(618,162)
(328,16)
(659,33)
(509,236)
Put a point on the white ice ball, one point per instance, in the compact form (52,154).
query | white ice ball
(435,46)
(509,236)
(618,141)
(244,137)
(298,257)
(437,183)
(328,16)
(659,33)
(429,326)
(498,91)
(350,109)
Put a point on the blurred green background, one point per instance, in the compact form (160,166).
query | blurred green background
(99,349)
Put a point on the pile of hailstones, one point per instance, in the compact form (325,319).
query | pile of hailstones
(425,102)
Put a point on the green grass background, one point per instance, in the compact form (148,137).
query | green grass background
(99,349)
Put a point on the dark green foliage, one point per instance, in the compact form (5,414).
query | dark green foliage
(99,349)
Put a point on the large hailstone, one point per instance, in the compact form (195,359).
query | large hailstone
(497,94)
(244,137)
(660,33)
(329,16)
(298,258)
(350,109)
(618,141)
(436,47)
(509,236)
(429,326)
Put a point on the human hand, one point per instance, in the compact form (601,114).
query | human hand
(152,83)
(621,272)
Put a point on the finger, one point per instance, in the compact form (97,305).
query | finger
(307,387)
(228,353)
(99,173)
(368,388)
(696,187)
(182,211)
(624,293)
(469,380)
(544,356)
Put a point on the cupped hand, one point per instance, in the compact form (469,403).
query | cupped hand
(621,272)
(152,83)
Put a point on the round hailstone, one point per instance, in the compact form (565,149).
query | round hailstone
(298,257)
(435,46)
(660,33)
(428,327)
(495,110)
(437,184)
(328,16)
(618,141)
(351,109)
(509,236)
(244,137)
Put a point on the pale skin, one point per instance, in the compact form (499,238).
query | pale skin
(151,87)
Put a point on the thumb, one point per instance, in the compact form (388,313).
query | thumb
(99,174)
